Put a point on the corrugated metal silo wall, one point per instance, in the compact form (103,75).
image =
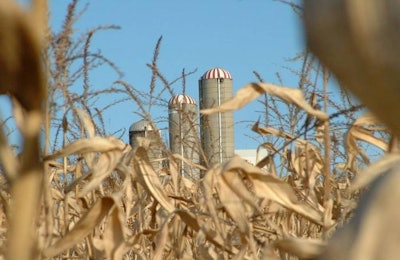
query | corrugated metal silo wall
(154,151)
(216,129)
(183,136)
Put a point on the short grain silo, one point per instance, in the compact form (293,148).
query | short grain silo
(144,129)
(217,130)
(183,133)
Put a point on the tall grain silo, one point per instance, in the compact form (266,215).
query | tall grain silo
(217,133)
(183,132)
(144,129)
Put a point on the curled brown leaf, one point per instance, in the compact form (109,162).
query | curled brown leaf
(253,90)
(83,228)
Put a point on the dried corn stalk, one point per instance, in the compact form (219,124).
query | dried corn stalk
(358,40)
(22,77)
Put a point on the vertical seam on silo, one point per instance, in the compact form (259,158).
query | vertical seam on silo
(219,120)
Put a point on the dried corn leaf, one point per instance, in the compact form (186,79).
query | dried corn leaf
(242,254)
(203,251)
(232,193)
(28,123)
(234,205)
(86,122)
(367,119)
(193,220)
(302,248)
(162,240)
(279,133)
(253,90)
(271,188)
(357,132)
(320,133)
(189,162)
(375,170)
(269,253)
(373,232)
(105,165)
(94,144)
(234,181)
(361,134)
(307,158)
(175,176)
(208,186)
(113,238)
(150,180)
(85,225)
(189,218)
(8,161)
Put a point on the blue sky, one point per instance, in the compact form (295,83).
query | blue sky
(238,35)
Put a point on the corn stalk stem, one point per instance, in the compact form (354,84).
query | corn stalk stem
(327,140)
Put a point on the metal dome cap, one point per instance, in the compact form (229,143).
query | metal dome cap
(181,99)
(141,125)
(217,73)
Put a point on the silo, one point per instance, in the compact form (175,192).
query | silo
(217,130)
(183,132)
(144,129)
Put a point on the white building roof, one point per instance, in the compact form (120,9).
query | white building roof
(251,156)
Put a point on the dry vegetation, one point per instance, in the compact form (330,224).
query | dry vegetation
(85,194)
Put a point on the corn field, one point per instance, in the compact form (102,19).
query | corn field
(326,190)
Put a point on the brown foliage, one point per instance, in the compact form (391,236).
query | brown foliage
(117,205)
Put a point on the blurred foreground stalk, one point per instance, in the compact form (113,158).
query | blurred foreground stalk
(358,40)
(21,77)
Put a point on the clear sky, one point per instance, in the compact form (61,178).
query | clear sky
(238,35)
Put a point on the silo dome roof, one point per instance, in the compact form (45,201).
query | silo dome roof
(141,125)
(217,73)
(182,99)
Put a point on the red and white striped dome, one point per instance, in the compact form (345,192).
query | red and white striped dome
(217,73)
(182,99)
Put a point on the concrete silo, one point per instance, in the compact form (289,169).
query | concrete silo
(183,132)
(144,129)
(217,130)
